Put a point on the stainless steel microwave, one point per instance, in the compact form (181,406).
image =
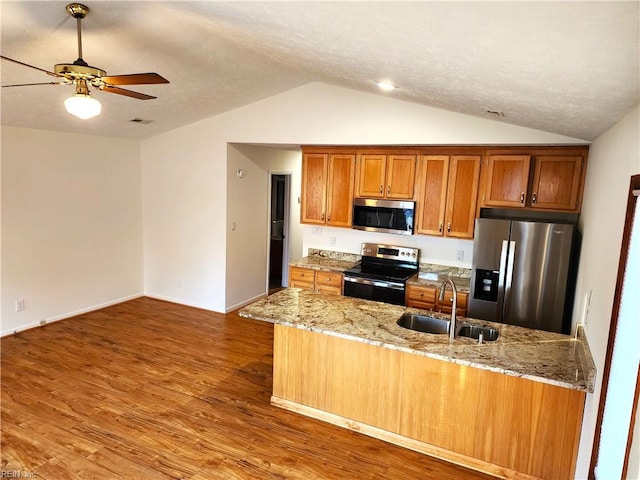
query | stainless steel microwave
(389,216)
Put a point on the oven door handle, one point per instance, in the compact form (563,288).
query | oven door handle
(375,283)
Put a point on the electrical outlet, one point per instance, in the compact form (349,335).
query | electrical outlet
(20,305)
(460,255)
(333,241)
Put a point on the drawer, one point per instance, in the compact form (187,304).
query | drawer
(329,278)
(302,275)
(422,294)
(444,306)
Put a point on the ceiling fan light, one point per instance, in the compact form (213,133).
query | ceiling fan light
(83,106)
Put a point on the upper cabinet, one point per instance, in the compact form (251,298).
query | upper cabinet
(448,192)
(544,179)
(557,182)
(327,188)
(386,176)
(506,180)
(449,184)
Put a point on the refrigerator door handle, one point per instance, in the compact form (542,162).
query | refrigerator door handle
(509,274)
(501,278)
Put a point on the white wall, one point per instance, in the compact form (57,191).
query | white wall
(184,172)
(184,185)
(443,251)
(613,158)
(71,224)
(248,208)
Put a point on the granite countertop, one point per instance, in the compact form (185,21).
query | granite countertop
(328,264)
(429,275)
(429,279)
(537,355)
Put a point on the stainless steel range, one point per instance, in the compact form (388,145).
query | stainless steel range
(382,273)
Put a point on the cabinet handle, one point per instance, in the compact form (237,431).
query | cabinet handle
(329,219)
(380,188)
(522,198)
(440,227)
(533,199)
(322,216)
(389,189)
(449,227)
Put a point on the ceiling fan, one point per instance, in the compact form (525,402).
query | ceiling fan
(82,75)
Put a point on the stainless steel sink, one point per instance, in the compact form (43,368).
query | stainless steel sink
(424,323)
(474,331)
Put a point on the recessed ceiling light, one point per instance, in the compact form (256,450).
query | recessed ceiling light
(386,86)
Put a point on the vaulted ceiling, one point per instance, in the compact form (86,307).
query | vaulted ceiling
(571,68)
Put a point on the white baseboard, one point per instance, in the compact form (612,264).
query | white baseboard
(80,311)
(178,301)
(244,303)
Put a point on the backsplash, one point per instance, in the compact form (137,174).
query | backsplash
(445,270)
(349,257)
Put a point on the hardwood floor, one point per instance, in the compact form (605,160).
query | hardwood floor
(152,390)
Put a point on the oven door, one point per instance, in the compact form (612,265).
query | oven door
(381,291)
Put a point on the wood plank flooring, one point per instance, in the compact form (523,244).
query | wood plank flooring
(152,390)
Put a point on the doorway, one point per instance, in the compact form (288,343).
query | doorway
(279,231)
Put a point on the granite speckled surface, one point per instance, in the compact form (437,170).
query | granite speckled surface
(541,356)
(327,260)
(429,274)
(430,279)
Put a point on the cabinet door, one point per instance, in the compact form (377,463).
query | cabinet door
(434,171)
(340,190)
(314,179)
(556,182)
(401,176)
(462,195)
(371,179)
(506,181)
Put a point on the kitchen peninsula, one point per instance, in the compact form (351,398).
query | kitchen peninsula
(512,407)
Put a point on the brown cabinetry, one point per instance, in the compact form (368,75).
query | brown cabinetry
(448,187)
(539,180)
(316,280)
(428,298)
(327,188)
(386,176)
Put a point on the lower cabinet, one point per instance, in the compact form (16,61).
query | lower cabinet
(504,425)
(428,298)
(316,280)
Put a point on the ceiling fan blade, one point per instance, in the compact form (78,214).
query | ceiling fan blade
(135,79)
(127,93)
(31,66)
(41,83)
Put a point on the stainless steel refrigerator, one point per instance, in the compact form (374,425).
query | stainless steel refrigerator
(520,273)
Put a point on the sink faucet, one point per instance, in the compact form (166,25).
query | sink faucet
(443,287)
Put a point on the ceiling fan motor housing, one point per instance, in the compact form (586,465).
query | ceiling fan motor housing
(77,10)
(74,71)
